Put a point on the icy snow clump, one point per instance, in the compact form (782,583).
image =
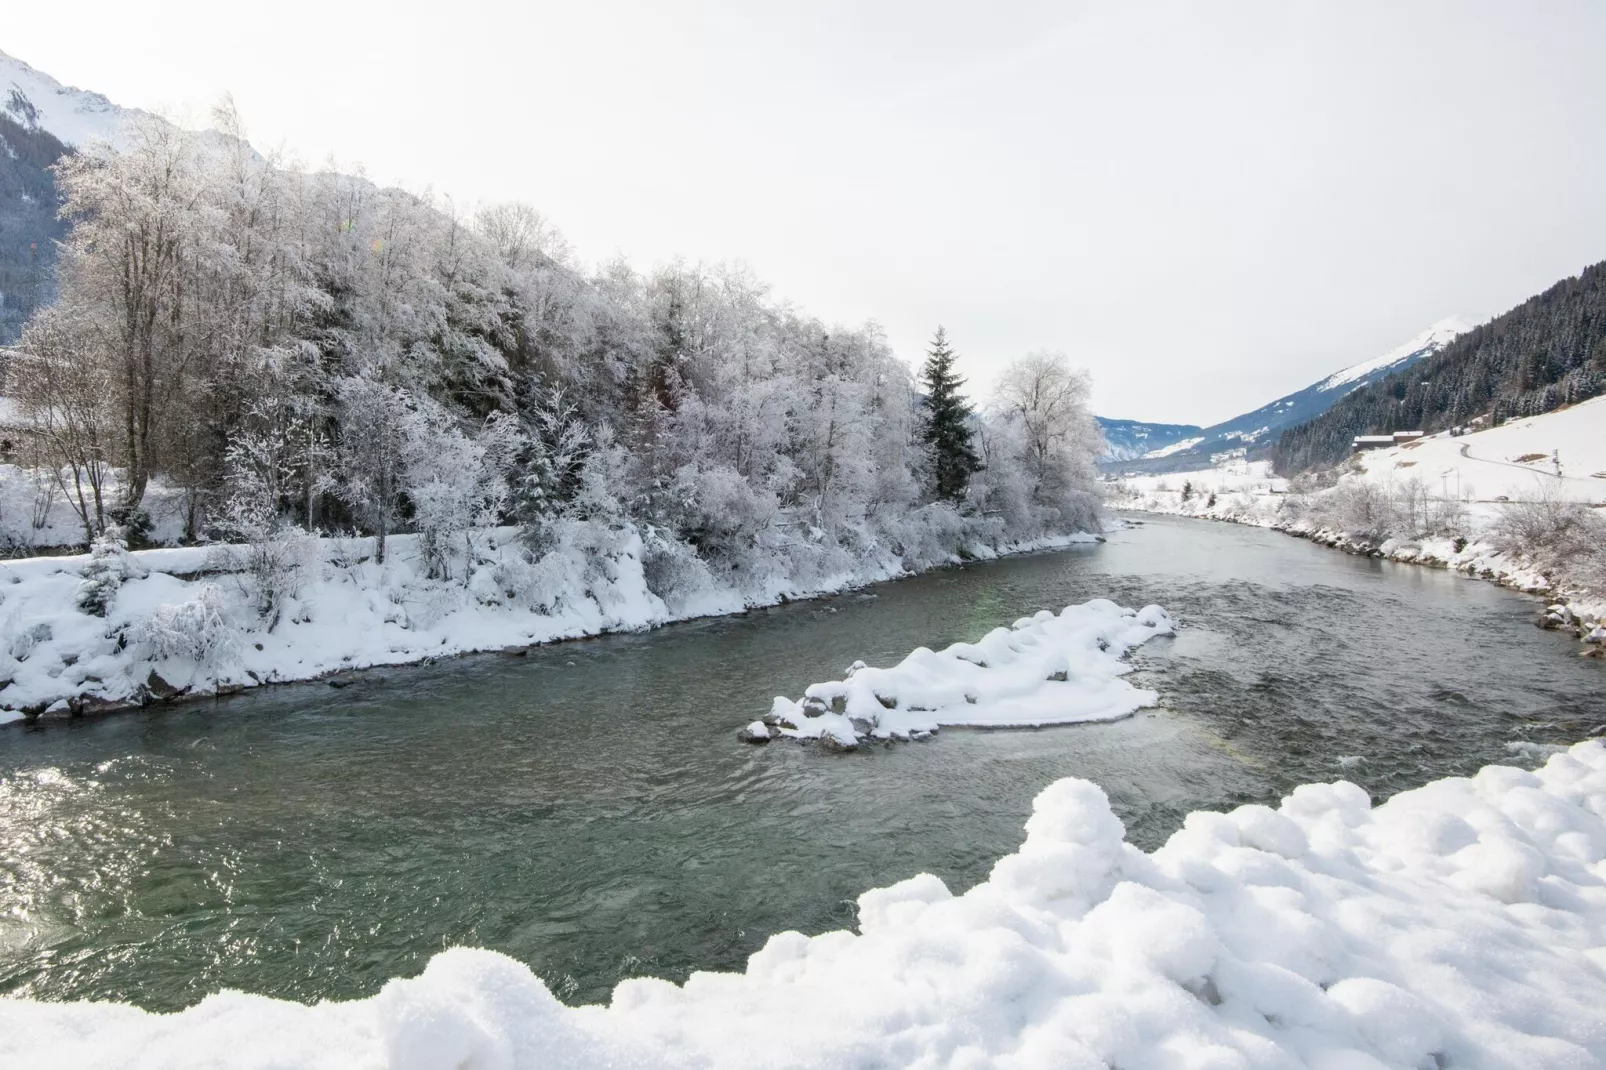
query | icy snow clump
(1042,670)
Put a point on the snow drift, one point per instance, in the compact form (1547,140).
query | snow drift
(1459,925)
(1043,670)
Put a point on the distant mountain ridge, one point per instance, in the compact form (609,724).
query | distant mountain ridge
(1129,439)
(1257,431)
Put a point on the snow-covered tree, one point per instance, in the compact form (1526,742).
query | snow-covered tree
(947,421)
(371,456)
(1060,438)
(295,351)
(109,566)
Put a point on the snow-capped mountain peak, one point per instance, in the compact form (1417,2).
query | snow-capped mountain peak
(1258,429)
(75,117)
(1431,340)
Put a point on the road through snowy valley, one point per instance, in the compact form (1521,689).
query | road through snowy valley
(587,811)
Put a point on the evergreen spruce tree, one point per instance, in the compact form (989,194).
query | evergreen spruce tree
(947,427)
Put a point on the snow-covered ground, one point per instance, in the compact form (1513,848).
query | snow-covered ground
(1242,481)
(1515,460)
(37,516)
(191,616)
(1175,447)
(1461,925)
(1043,670)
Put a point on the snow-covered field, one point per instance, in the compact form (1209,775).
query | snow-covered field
(1043,670)
(191,616)
(1246,484)
(1514,460)
(1461,925)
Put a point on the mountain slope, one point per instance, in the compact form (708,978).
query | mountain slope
(75,117)
(29,226)
(1129,439)
(1548,352)
(40,121)
(1258,430)
(1262,426)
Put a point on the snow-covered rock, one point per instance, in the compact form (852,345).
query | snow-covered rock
(1459,925)
(1043,670)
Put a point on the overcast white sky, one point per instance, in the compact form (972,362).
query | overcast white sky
(1208,205)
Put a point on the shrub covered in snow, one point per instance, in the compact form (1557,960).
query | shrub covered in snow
(1558,534)
(197,630)
(109,565)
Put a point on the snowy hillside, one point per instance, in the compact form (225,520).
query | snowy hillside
(1516,460)
(1513,462)
(1431,340)
(74,116)
(1458,925)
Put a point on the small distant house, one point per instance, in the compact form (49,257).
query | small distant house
(1379,442)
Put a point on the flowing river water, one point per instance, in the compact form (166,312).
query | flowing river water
(588,810)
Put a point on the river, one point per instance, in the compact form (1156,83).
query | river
(588,809)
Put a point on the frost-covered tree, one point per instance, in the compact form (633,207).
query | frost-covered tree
(109,566)
(291,352)
(1060,437)
(371,457)
(69,419)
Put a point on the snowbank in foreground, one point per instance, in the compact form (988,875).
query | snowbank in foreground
(1459,925)
(1042,670)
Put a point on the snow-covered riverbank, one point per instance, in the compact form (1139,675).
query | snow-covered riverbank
(1457,487)
(1462,924)
(1582,614)
(189,621)
(1043,670)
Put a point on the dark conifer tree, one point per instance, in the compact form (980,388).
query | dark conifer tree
(947,422)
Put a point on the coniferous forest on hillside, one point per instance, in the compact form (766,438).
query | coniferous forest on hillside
(29,224)
(1548,352)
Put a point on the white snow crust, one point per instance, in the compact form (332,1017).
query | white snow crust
(1043,670)
(1460,925)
